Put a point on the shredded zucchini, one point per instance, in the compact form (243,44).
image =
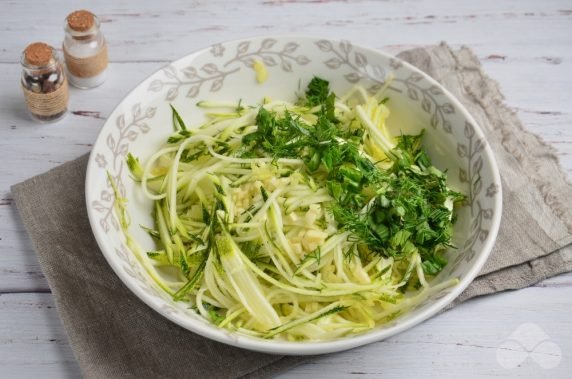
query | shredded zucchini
(300,221)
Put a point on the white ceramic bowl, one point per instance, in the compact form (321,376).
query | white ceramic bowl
(142,121)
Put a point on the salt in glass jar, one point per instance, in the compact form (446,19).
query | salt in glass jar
(85,50)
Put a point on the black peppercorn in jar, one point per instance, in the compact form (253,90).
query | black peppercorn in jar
(44,83)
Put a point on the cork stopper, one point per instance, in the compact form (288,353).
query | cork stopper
(38,54)
(81,21)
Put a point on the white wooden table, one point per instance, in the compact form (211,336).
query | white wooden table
(525,45)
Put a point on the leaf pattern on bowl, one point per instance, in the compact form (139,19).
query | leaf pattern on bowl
(471,151)
(194,78)
(343,54)
(429,101)
(269,53)
(117,146)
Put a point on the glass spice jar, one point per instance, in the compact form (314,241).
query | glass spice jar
(44,83)
(85,50)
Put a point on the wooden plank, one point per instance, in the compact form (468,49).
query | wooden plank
(33,343)
(149,31)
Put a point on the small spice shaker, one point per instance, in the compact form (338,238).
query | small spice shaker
(44,83)
(85,50)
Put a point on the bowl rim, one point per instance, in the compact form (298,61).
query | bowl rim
(306,347)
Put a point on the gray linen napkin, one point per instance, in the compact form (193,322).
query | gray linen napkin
(114,335)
